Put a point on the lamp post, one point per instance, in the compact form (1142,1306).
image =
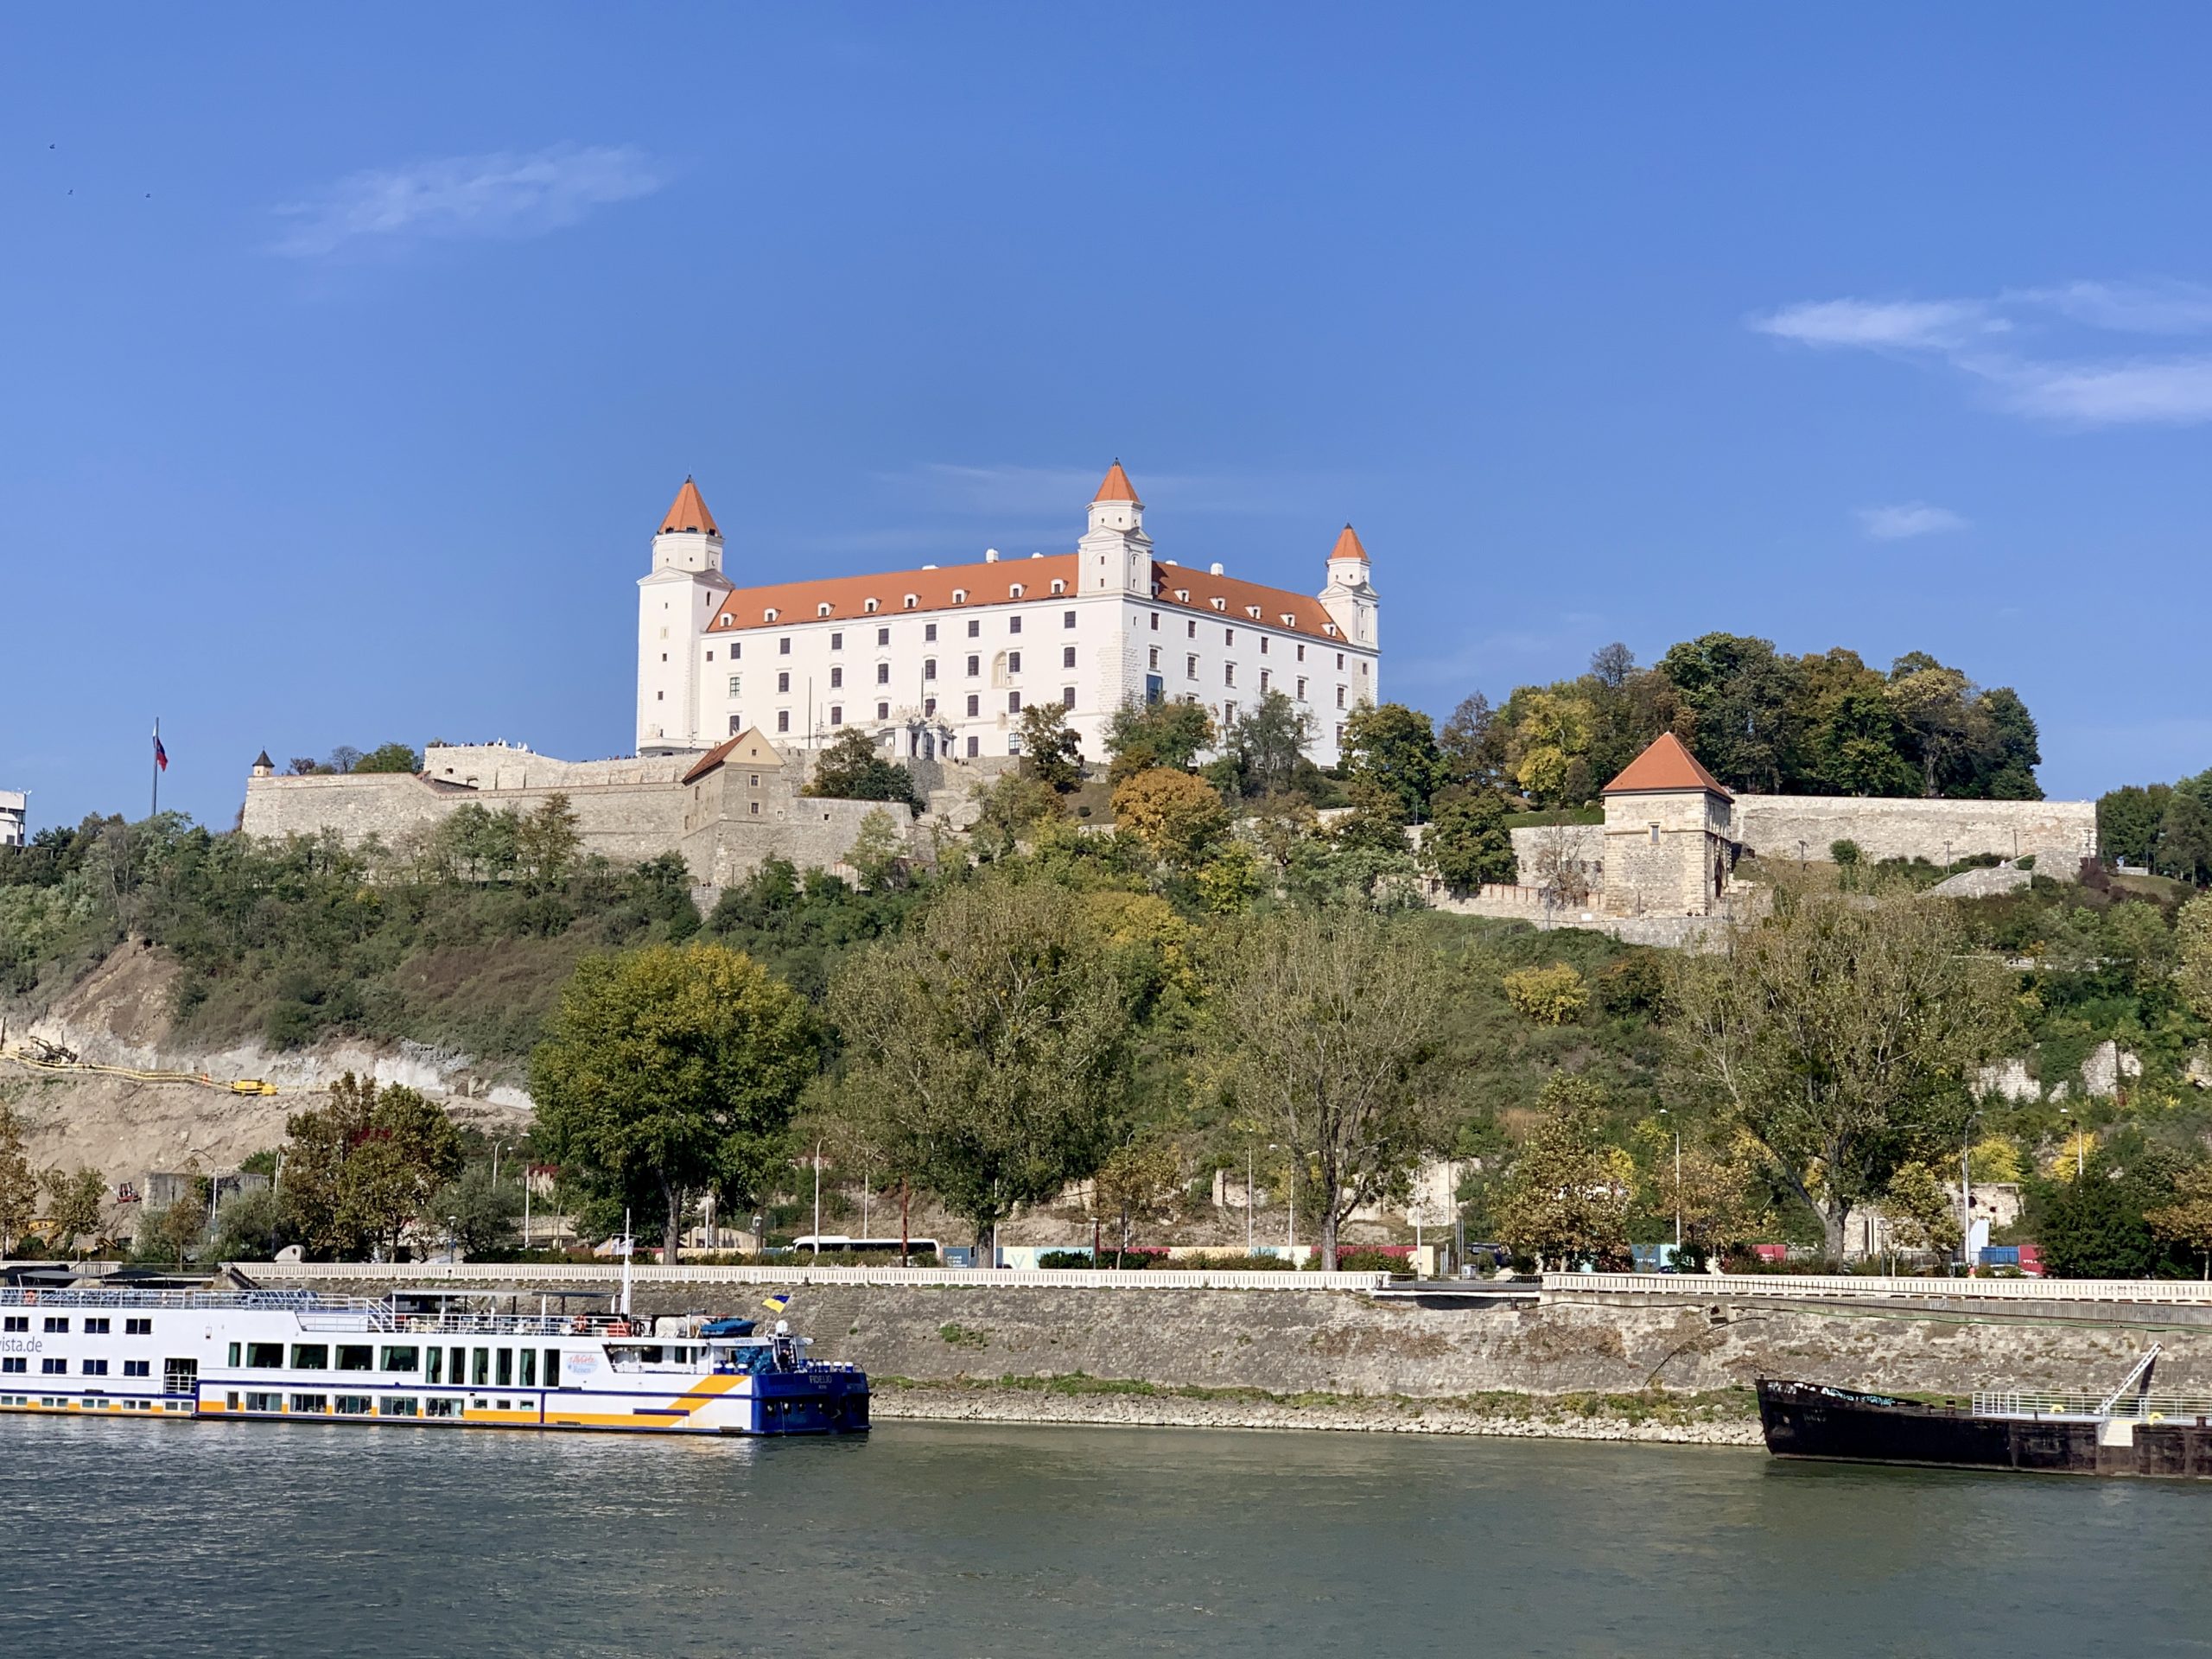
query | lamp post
(2067,1112)
(1290,1193)
(1669,1117)
(1248,1197)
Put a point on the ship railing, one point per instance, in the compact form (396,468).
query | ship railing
(15,1296)
(2134,1408)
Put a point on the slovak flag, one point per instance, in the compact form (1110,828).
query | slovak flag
(161,754)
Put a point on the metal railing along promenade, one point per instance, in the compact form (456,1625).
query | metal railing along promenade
(522,1274)
(1802,1287)
(2133,1407)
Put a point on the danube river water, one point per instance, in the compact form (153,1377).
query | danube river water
(128,1538)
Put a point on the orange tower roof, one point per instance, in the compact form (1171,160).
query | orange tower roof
(1117,486)
(690,513)
(1347,546)
(1666,765)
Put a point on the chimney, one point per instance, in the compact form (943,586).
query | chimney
(990,556)
(1214,570)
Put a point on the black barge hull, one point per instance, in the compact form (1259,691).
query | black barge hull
(1809,1420)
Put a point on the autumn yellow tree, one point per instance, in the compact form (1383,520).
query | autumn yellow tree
(1173,814)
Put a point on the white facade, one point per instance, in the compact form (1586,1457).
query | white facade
(942,660)
(14,809)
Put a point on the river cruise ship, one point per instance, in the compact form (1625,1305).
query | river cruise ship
(427,1357)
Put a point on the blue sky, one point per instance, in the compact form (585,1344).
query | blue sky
(350,357)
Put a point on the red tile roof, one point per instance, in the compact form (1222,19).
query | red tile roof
(1348,545)
(1117,486)
(1666,765)
(1174,586)
(688,513)
(755,746)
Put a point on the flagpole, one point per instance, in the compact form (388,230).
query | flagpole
(157,767)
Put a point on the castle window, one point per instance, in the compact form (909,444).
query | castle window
(1301,688)
(736,725)
(710,656)
(929,668)
(822,609)
(660,696)
(836,678)
(1067,656)
(974,627)
(1014,662)
(836,713)
(974,745)
(782,719)
(928,707)
(1229,673)
(868,605)
(1156,621)
(1252,611)
(883,635)
(1220,604)
(1263,682)
(912,601)
(753,780)
(1228,712)
(1340,735)
(771,614)
(1013,624)
(1362,671)
(975,708)
(1301,651)
(1329,628)
(736,651)
(1229,636)
(883,673)
(1060,586)
(960,595)
(928,633)
(1013,591)
(883,711)
(1013,702)
(1067,697)
(1152,658)
(1183,595)
(784,684)
(1067,619)
(1263,644)
(1340,697)
(837,641)
(754,807)
(1191,666)
(1655,835)
(784,644)
(736,684)
(1191,627)
(1340,662)
(1289,620)
(974,666)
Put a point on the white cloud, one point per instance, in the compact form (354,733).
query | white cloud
(1907,519)
(503,194)
(1902,325)
(1990,342)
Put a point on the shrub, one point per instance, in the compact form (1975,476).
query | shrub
(1844,852)
(1360,1261)
(1236,1262)
(1551,996)
(1634,984)
(1065,1259)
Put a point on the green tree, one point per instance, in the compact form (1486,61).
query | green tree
(1262,747)
(852,768)
(1923,1214)
(74,1204)
(1468,844)
(986,1051)
(1176,816)
(358,1170)
(1051,754)
(547,841)
(249,1226)
(1743,699)
(1139,1177)
(390,757)
(878,852)
(1568,1196)
(1392,749)
(18,1185)
(1327,1025)
(1841,1035)
(1143,736)
(477,1213)
(1472,745)
(176,1233)
(2193,945)
(2186,1219)
(669,1069)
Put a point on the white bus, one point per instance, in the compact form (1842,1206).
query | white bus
(844,1245)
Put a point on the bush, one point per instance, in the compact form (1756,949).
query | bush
(1360,1261)
(1634,984)
(1236,1262)
(1065,1259)
(1550,996)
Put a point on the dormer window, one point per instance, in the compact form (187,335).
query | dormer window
(1184,594)
(869,607)
(771,614)
(1252,611)
(1221,604)
(1060,586)
(912,601)
(960,595)
(1013,591)
(822,609)
(1289,620)
(1329,628)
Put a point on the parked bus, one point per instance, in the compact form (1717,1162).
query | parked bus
(843,1244)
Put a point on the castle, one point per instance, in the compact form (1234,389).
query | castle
(939,662)
(739,688)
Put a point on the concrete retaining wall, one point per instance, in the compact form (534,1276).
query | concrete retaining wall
(2059,833)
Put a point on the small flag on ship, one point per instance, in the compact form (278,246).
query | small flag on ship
(778,1302)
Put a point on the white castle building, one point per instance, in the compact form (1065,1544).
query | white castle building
(939,662)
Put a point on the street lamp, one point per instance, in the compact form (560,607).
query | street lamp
(1290,1192)
(1669,1117)
(2067,1112)
(1248,1197)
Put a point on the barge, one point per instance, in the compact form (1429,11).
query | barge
(2129,1432)
(427,1359)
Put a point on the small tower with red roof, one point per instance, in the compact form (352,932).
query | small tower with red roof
(675,600)
(1668,835)
(1115,556)
(1351,598)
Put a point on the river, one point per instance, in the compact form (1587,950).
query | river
(926,1539)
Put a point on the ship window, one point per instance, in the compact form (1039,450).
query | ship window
(15,1365)
(96,1368)
(355,1405)
(310,1357)
(16,1322)
(506,1368)
(529,1377)
(446,1408)
(234,1354)
(401,1359)
(552,1367)
(96,1327)
(354,1358)
(434,1365)
(138,1327)
(264,1356)
(264,1403)
(53,1367)
(399,1405)
(138,1367)
(311,1402)
(483,1372)
(55,1325)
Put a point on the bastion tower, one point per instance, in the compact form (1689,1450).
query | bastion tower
(676,598)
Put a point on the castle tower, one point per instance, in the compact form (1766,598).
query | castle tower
(675,600)
(1350,598)
(1668,835)
(1115,555)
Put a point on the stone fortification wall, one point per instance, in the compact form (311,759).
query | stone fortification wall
(626,821)
(2059,833)
(514,765)
(1289,1342)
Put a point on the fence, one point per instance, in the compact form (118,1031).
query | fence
(524,1274)
(1801,1286)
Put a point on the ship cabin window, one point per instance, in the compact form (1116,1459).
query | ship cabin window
(15,1366)
(264,1403)
(96,1368)
(310,1357)
(96,1327)
(398,1405)
(434,1365)
(483,1372)
(55,1325)
(355,1405)
(235,1351)
(138,1327)
(352,1357)
(506,1368)
(401,1359)
(446,1405)
(317,1402)
(529,1377)
(457,1363)
(265,1355)
(16,1322)
(138,1367)
(552,1367)
(53,1367)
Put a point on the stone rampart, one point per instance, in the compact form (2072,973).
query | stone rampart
(2060,833)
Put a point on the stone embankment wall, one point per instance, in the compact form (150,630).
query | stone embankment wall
(1345,1344)
(2059,833)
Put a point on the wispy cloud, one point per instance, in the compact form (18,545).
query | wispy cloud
(1907,519)
(501,195)
(2032,351)
(1059,493)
